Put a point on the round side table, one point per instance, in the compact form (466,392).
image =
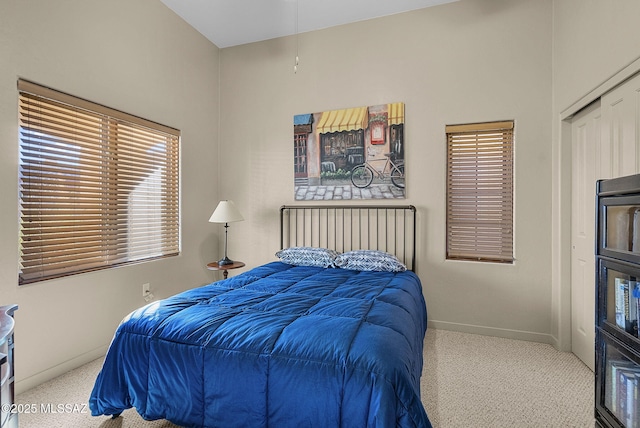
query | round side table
(225,268)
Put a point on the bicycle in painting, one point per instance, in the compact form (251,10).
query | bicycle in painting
(362,175)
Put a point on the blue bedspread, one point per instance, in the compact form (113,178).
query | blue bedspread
(278,346)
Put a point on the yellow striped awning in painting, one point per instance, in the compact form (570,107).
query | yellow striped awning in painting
(343,120)
(396,113)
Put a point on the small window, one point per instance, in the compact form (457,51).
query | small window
(98,188)
(480,192)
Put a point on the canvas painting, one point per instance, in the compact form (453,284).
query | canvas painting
(353,153)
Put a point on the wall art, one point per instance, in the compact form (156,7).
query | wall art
(353,153)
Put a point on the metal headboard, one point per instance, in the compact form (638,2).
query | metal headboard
(390,228)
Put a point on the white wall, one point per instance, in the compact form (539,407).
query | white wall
(138,57)
(468,61)
(593,41)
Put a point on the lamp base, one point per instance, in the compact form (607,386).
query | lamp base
(225,261)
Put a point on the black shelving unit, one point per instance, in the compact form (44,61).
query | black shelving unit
(617,388)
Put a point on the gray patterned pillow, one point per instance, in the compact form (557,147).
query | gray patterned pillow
(369,260)
(307,256)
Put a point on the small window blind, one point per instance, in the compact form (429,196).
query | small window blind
(98,187)
(480,192)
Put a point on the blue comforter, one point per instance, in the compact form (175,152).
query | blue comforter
(278,346)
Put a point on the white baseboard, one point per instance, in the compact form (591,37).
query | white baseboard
(30,382)
(492,331)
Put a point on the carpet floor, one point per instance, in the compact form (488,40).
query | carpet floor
(468,381)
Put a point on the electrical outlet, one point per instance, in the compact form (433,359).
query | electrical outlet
(146,292)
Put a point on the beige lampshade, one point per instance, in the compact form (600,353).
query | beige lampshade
(226,212)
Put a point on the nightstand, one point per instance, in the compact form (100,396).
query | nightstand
(224,268)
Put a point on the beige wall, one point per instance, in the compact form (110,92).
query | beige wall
(468,61)
(473,60)
(595,43)
(593,40)
(138,57)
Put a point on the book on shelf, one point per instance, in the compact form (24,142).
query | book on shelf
(635,230)
(627,304)
(623,388)
(634,307)
(630,384)
(620,285)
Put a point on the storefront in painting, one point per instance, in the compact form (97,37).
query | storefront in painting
(353,153)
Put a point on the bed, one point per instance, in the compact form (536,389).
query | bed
(328,335)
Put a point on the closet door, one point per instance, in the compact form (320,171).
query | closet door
(605,139)
(620,128)
(586,148)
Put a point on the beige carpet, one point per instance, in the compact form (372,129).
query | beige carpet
(480,381)
(468,381)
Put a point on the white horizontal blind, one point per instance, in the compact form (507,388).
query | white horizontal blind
(96,189)
(480,192)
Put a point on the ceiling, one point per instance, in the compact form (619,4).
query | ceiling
(229,23)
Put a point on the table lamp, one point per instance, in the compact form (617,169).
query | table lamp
(226,212)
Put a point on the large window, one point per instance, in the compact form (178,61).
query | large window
(98,187)
(480,192)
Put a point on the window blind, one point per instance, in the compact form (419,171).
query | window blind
(98,188)
(480,192)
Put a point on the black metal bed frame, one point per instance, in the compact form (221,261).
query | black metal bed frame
(390,228)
